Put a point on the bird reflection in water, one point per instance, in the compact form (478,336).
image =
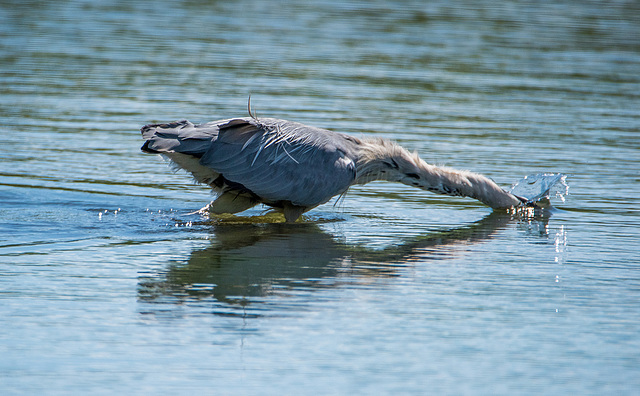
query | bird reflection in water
(248,263)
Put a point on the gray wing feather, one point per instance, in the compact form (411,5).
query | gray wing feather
(181,136)
(282,160)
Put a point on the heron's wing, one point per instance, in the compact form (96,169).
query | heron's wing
(282,160)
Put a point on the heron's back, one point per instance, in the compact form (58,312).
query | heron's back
(276,160)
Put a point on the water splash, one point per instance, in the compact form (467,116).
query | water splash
(541,186)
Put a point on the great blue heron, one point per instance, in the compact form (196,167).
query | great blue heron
(294,167)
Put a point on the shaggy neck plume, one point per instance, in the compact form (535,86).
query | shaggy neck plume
(384,160)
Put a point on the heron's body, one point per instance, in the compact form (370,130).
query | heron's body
(294,168)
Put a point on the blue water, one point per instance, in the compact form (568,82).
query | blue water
(110,284)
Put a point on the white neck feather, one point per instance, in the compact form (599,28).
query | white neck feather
(385,160)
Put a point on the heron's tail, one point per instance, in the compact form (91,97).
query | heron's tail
(177,137)
(184,144)
(149,130)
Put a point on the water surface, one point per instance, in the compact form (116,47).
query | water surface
(109,284)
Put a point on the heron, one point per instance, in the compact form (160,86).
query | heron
(294,168)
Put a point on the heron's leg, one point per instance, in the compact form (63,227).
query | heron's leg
(231,202)
(292,212)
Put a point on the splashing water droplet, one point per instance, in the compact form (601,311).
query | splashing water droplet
(540,186)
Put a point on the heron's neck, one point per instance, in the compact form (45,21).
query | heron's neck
(383,160)
(377,161)
(447,181)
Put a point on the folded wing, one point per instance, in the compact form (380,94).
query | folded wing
(282,160)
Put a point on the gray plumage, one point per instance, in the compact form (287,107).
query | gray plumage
(294,168)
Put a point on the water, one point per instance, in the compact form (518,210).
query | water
(540,187)
(109,285)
